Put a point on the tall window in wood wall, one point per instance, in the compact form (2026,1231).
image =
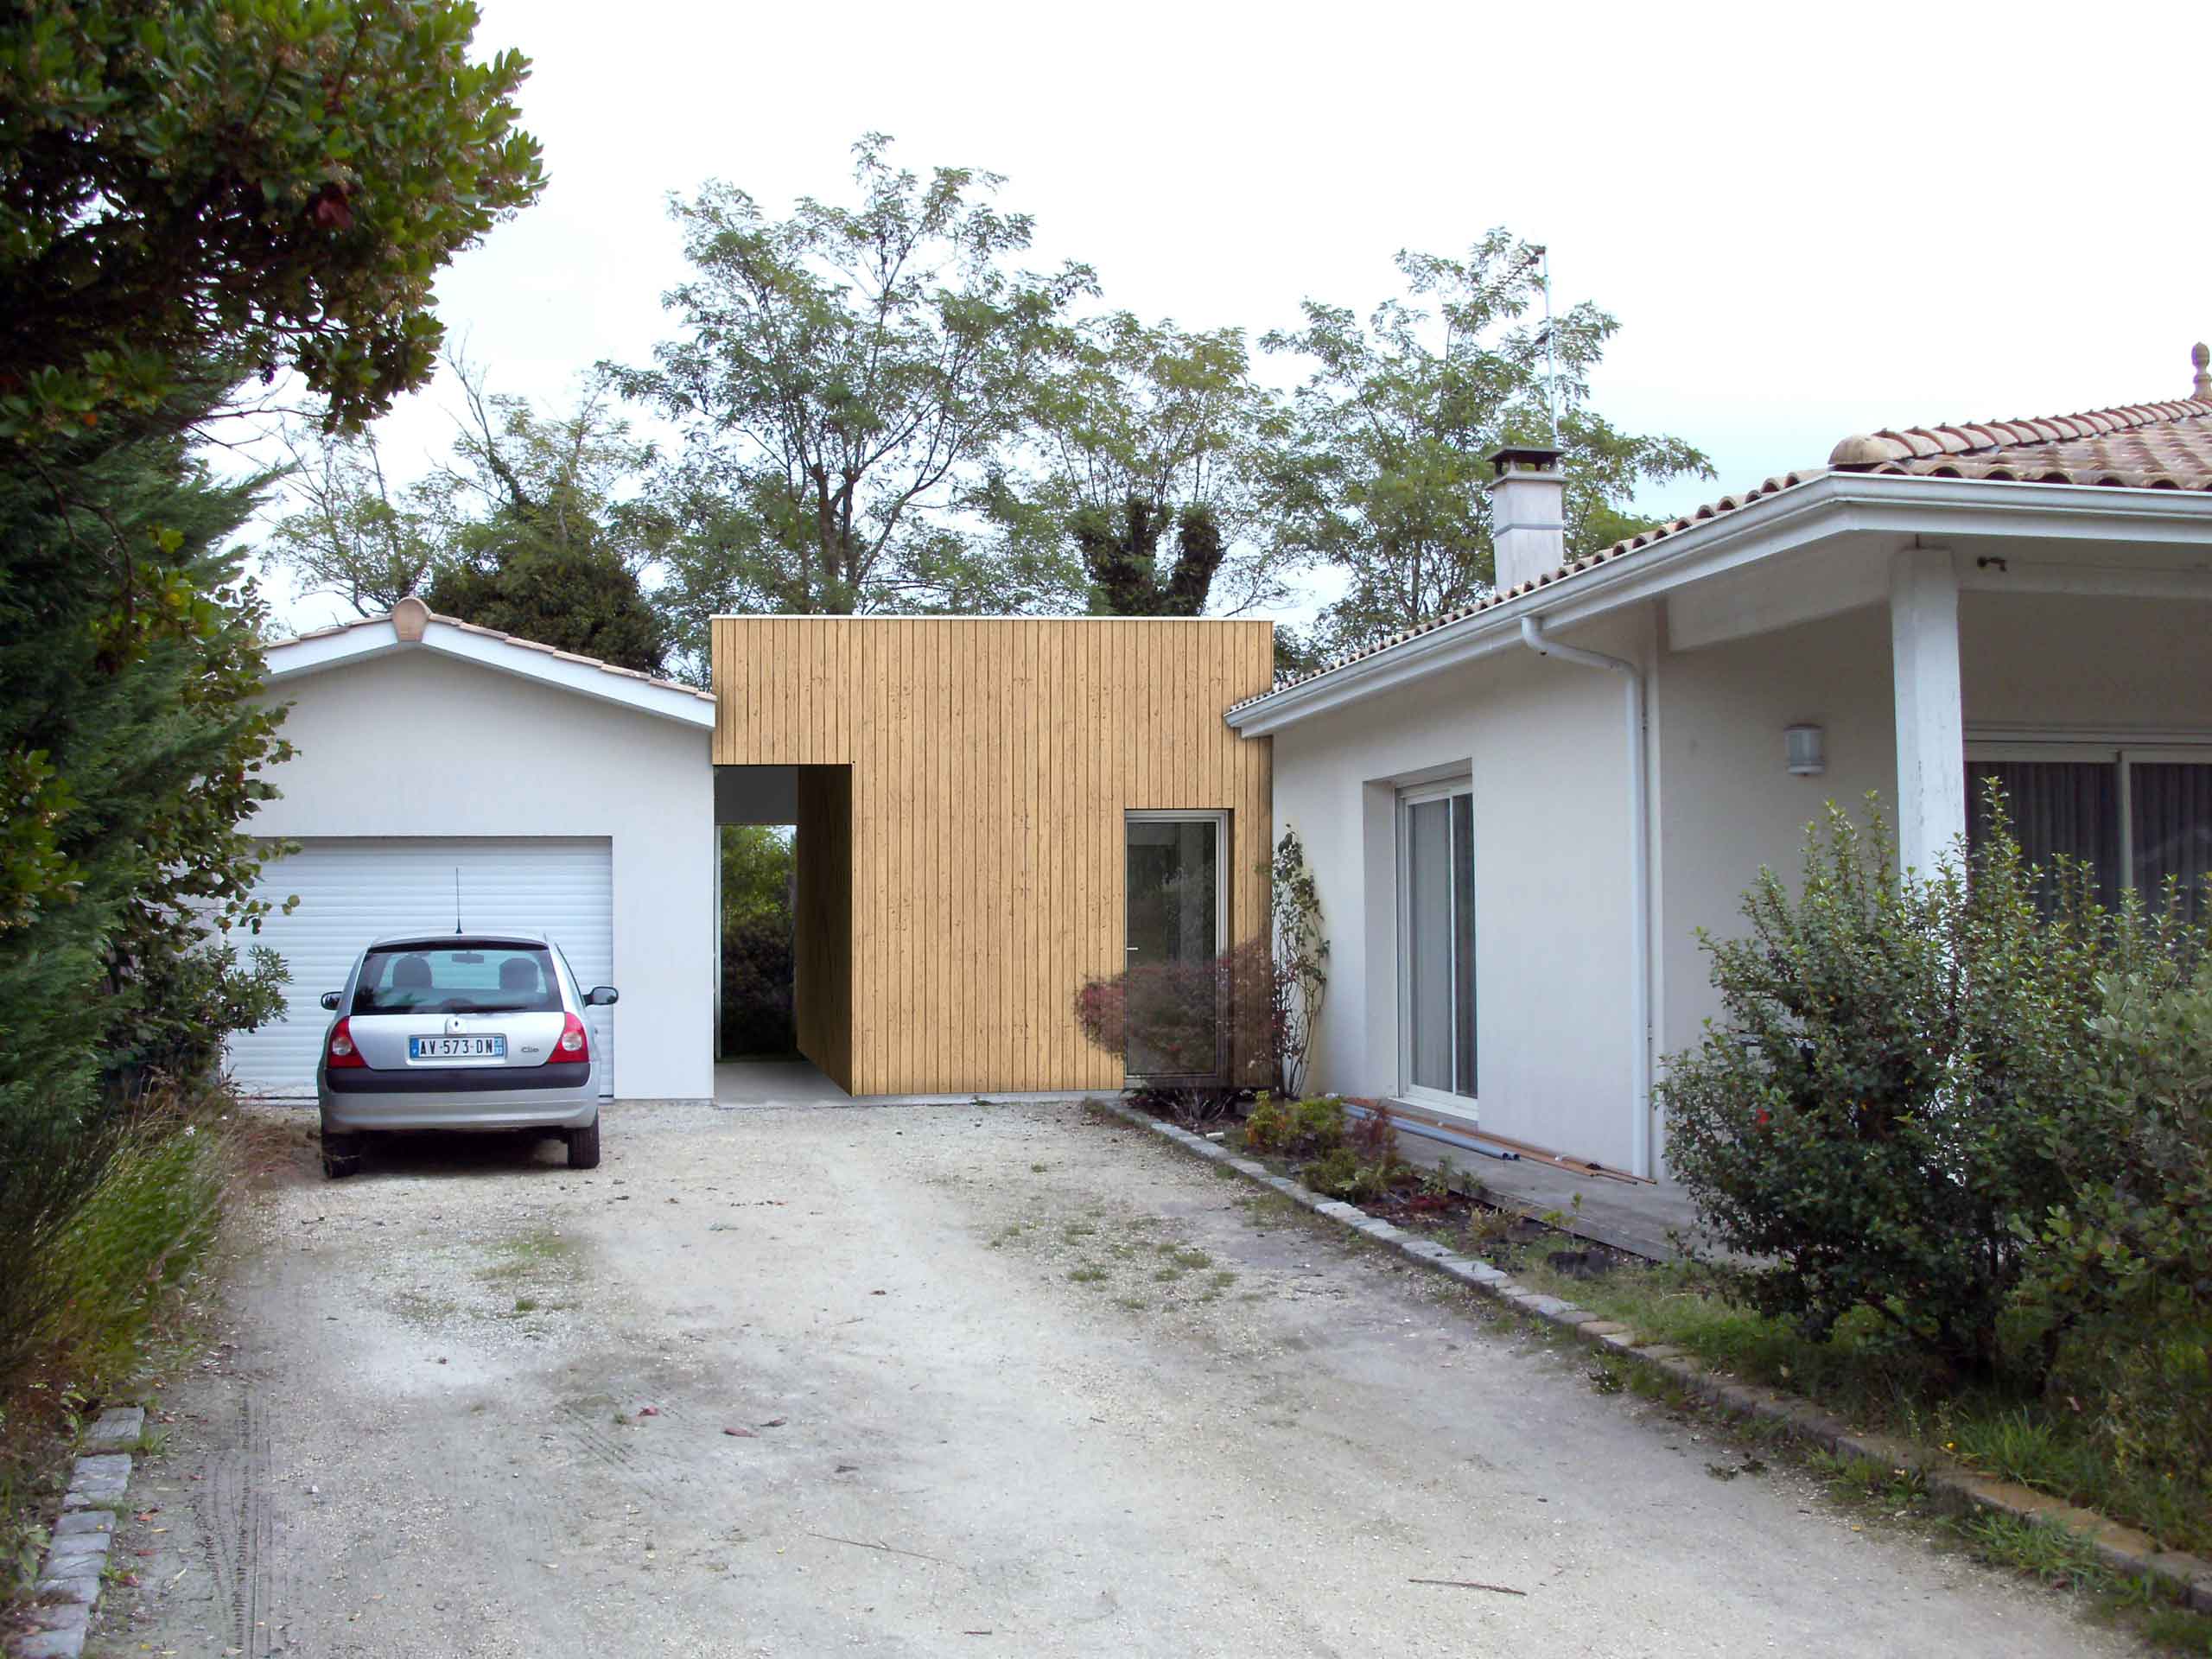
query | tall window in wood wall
(1174,1022)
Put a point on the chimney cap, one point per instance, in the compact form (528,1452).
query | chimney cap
(2199,358)
(1524,458)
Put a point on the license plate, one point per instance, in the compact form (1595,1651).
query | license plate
(456,1048)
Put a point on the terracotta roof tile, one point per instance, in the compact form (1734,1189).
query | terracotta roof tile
(2138,446)
(2166,446)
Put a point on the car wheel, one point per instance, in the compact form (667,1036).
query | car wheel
(341,1155)
(584,1146)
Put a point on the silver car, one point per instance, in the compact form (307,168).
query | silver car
(462,1032)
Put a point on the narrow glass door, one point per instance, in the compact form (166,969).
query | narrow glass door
(1437,890)
(1171,1009)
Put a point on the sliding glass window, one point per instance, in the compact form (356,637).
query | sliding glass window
(2138,816)
(1436,901)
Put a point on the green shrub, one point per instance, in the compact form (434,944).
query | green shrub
(1316,1126)
(758,1011)
(1334,1172)
(1903,1084)
(2120,1282)
(1266,1127)
(1341,1174)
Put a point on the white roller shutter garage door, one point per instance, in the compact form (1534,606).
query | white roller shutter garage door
(355,889)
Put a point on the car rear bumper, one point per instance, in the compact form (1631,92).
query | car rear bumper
(460,1079)
(423,1100)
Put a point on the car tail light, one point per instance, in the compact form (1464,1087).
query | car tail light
(341,1051)
(575,1047)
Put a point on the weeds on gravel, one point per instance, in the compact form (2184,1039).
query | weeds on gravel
(521,1253)
(2057,1556)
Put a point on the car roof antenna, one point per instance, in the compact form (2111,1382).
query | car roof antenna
(456,900)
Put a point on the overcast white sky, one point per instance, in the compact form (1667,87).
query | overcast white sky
(1810,221)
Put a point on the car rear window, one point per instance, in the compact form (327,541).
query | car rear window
(462,979)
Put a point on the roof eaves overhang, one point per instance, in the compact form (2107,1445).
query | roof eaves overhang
(297,658)
(1833,505)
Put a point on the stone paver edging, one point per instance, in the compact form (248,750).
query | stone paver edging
(76,1560)
(2121,1548)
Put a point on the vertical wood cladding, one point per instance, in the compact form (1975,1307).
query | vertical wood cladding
(990,762)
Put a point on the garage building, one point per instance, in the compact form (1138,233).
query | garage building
(444,773)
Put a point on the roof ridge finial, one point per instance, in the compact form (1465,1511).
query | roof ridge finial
(2201,388)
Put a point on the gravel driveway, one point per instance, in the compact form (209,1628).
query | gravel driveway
(1008,1380)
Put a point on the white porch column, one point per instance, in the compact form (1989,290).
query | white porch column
(1931,733)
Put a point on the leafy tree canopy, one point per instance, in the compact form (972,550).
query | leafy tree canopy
(842,378)
(352,532)
(572,595)
(1136,428)
(271,182)
(527,526)
(1383,475)
(130,754)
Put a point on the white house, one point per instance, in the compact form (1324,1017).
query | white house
(1519,815)
(444,771)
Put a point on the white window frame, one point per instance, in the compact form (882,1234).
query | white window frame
(2118,749)
(1223,866)
(1444,1101)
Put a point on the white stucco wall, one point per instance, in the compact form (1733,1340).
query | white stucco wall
(1727,802)
(542,762)
(1545,744)
(2085,662)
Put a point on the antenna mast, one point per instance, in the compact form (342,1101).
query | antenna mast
(457,899)
(1551,356)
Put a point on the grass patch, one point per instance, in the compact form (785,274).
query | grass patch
(2047,1445)
(102,1237)
(525,1304)
(2057,1556)
(1089,1274)
(521,1254)
(417,1307)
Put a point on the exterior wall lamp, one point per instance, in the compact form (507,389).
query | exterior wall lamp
(1805,747)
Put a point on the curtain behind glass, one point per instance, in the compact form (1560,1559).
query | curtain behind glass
(2069,807)
(2171,804)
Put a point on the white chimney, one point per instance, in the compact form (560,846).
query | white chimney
(1528,515)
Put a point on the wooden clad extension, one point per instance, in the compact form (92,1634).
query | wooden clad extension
(962,793)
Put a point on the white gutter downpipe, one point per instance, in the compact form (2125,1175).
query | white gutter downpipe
(1639,875)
